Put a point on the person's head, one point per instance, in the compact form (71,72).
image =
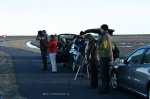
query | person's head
(44,31)
(52,37)
(82,34)
(89,37)
(104,27)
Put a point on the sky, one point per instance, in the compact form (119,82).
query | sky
(27,17)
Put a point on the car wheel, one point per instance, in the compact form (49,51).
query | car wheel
(114,80)
(148,92)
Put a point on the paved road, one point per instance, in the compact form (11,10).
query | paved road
(34,84)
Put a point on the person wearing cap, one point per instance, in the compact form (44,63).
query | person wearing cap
(79,41)
(105,49)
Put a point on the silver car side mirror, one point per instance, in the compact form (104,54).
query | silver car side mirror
(122,60)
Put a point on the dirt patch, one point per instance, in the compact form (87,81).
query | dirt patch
(19,44)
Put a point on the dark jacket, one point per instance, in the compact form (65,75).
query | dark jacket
(80,42)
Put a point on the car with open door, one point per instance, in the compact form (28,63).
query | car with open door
(68,53)
(64,47)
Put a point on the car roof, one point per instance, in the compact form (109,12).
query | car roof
(147,46)
(67,35)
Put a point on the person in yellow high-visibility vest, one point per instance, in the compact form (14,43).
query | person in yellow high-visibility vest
(105,49)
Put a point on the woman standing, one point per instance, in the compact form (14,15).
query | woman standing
(93,58)
(52,47)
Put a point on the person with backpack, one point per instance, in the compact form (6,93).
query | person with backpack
(93,58)
(106,54)
(116,51)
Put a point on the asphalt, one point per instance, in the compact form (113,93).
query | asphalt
(35,84)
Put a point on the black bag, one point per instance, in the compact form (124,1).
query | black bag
(116,52)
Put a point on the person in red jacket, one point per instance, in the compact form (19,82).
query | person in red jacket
(52,48)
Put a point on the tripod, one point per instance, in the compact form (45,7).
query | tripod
(82,62)
(79,60)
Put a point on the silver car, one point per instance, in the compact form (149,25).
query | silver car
(133,73)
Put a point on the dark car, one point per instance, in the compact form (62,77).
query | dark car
(69,55)
(133,73)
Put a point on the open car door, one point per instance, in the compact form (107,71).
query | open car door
(62,47)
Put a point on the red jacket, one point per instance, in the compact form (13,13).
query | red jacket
(52,46)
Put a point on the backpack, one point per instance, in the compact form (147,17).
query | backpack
(116,52)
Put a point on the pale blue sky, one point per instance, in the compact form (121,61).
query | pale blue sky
(26,17)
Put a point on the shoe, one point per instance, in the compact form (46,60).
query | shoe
(103,92)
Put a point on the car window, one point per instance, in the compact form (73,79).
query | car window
(67,36)
(134,58)
(96,36)
(146,58)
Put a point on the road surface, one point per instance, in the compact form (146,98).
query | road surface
(34,84)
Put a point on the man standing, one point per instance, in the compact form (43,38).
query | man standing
(106,46)
(80,42)
(43,48)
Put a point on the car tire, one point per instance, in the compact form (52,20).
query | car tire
(148,92)
(114,80)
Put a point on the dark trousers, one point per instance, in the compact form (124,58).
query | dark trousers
(94,73)
(104,65)
(44,59)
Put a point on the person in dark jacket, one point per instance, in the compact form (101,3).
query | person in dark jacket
(80,42)
(93,58)
(43,49)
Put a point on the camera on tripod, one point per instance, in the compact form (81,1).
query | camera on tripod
(42,35)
